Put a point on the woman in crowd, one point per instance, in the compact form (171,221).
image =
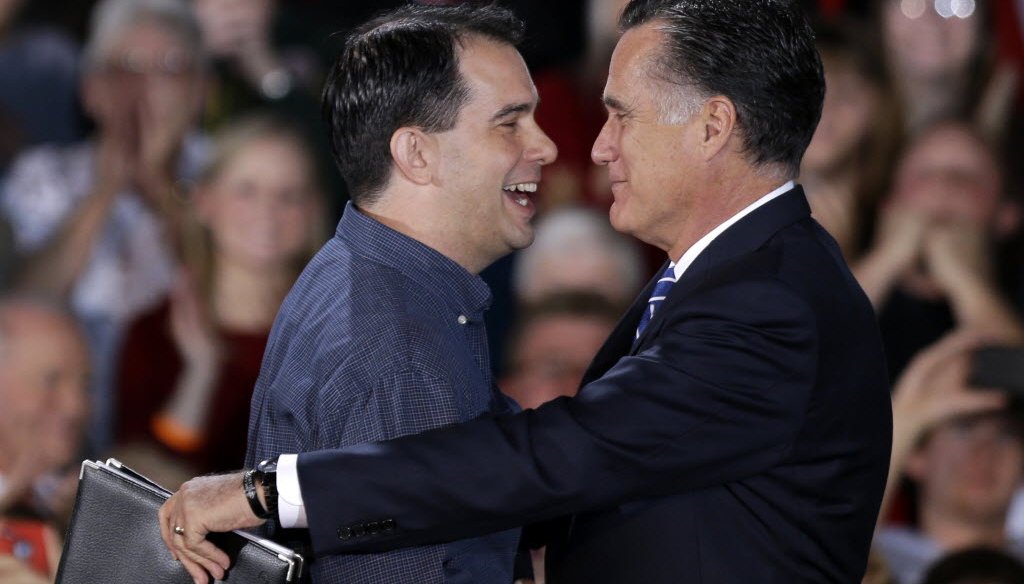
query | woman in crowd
(188,367)
(941,59)
(848,162)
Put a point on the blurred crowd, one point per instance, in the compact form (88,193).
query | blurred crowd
(164,177)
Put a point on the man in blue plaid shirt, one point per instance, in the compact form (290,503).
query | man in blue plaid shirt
(431,118)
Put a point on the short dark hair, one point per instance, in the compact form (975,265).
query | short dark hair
(400,69)
(758,53)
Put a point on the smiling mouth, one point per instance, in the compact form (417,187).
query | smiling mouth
(518,192)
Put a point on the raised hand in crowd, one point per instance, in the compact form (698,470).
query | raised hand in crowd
(959,257)
(166,109)
(938,227)
(239,32)
(934,389)
(898,246)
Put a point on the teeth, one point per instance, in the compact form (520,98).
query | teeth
(524,201)
(522,187)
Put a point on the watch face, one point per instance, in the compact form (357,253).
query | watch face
(268,466)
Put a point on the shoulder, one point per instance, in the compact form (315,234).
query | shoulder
(351,312)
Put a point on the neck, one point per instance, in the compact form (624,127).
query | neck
(246,298)
(720,201)
(401,213)
(953,531)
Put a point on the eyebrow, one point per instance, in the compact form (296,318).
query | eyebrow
(515,108)
(613,103)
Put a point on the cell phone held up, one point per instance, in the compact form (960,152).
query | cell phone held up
(998,367)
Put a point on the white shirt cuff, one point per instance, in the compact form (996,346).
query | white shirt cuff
(290,509)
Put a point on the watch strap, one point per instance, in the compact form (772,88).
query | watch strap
(249,485)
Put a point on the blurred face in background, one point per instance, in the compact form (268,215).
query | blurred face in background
(922,43)
(146,70)
(262,207)
(949,173)
(44,368)
(851,106)
(971,466)
(551,355)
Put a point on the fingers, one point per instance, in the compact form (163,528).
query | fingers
(196,571)
(927,362)
(978,401)
(166,532)
(200,557)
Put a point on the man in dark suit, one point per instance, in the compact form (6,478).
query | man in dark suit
(736,425)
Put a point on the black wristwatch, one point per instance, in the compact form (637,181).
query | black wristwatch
(266,473)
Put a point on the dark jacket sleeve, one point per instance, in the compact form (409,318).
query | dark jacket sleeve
(716,396)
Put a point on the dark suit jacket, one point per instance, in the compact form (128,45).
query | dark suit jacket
(743,438)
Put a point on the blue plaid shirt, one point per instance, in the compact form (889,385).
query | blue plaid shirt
(381,336)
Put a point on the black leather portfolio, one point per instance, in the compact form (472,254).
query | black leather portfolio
(114,537)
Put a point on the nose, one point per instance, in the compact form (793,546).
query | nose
(543,150)
(603,150)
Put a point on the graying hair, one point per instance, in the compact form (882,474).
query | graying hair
(677,104)
(111,18)
(678,97)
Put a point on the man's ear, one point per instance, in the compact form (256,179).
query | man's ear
(414,154)
(717,118)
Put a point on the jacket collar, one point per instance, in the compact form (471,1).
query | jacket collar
(745,236)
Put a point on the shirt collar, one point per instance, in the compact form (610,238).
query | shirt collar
(466,293)
(695,250)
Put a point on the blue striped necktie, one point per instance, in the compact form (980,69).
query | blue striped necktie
(657,296)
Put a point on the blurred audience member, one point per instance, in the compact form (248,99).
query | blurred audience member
(188,366)
(255,68)
(555,340)
(977,566)
(38,85)
(941,59)
(93,216)
(847,162)
(932,265)
(553,343)
(964,450)
(577,249)
(43,368)
(239,37)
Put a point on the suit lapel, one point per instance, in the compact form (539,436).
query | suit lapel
(622,336)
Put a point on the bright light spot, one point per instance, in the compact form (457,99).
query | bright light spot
(944,8)
(913,8)
(963,8)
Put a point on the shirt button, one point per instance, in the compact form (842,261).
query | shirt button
(462,319)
